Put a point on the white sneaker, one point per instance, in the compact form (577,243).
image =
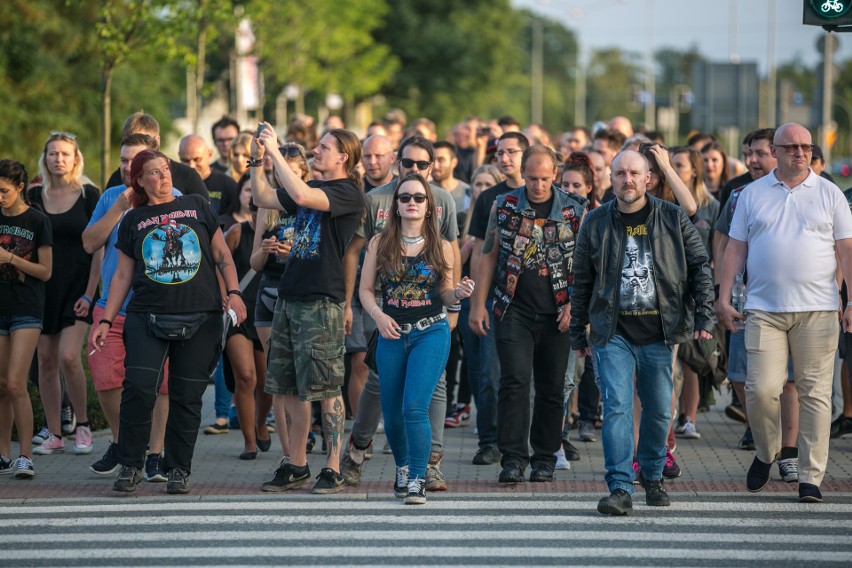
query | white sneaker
(23,468)
(561,462)
(380,429)
(689,431)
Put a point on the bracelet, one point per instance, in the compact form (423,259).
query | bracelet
(849,304)
(254,162)
(236,293)
(106,321)
(373,310)
(88,299)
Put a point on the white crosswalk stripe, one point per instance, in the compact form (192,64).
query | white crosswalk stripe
(459,530)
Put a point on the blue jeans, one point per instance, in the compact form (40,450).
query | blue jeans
(409,370)
(222,400)
(483,372)
(616,364)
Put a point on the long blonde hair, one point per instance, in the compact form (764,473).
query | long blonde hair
(76,173)
(496,175)
(389,254)
(243,140)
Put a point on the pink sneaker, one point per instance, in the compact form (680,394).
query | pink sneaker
(636,470)
(83,444)
(52,445)
(671,470)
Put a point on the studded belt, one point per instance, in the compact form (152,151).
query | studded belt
(421,324)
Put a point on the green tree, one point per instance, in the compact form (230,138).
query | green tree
(323,46)
(610,76)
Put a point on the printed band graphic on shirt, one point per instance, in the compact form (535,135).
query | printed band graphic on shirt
(638,295)
(19,242)
(534,260)
(412,289)
(171,253)
(306,244)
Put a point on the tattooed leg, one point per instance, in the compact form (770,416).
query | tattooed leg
(333,421)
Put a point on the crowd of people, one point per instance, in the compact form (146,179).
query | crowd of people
(597,283)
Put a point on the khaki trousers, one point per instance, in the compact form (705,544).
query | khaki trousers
(811,339)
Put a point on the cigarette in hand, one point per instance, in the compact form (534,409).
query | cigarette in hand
(92,352)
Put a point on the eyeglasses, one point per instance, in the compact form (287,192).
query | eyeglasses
(409,163)
(406,197)
(510,153)
(792,148)
(63,133)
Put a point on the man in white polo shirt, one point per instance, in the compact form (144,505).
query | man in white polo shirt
(788,226)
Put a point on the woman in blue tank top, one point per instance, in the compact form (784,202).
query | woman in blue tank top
(414,266)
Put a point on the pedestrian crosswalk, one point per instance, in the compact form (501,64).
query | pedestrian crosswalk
(464,530)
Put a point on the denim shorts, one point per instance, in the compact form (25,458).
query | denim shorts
(737,360)
(8,324)
(363,327)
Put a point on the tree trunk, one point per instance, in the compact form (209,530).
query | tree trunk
(106,124)
(199,74)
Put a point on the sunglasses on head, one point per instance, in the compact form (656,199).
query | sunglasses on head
(409,163)
(290,151)
(406,197)
(64,134)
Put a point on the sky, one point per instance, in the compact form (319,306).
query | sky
(710,25)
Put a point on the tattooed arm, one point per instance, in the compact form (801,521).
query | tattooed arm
(225,266)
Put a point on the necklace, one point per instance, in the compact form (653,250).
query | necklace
(411,241)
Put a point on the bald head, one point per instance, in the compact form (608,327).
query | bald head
(623,125)
(377,158)
(792,147)
(195,153)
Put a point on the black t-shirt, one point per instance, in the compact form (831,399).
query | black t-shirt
(464,169)
(534,292)
(184,179)
(223,192)
(314,269)
(413,295)
(638,312)
(731,185)
(174,270)
(20,293)
(482,209)
(283,231)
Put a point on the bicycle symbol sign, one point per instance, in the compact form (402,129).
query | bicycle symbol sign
(830,8)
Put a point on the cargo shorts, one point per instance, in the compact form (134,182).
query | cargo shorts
(306,350)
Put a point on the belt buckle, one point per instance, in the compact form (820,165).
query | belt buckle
(405,328)
(423,324)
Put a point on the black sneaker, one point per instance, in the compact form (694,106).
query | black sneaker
(154,468)
(287,477)
(541,473)
(571,453)
(512,473)
(486,456)
(416,492)
(5,466)
(747,441)
(328,481)
(108,463)
(655,495)
(400,485)
(128,478)
(841,426)
(758,475)
(618,502)
(177,482)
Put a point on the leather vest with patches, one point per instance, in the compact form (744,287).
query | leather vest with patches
(515,224)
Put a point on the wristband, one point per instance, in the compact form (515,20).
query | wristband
(849,304)
(373,310)
(716,291)
(106,321)
(254,162)
(236,293)
(88,299)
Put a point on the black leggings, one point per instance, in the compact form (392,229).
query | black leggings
(190,364)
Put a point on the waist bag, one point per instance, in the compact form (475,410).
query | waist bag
(176,327)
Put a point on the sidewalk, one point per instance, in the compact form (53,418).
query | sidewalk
(710,464)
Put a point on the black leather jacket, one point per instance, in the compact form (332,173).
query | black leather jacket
(681,274)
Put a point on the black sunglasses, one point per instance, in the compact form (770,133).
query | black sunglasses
(290,151)
(406,197)
(409,163)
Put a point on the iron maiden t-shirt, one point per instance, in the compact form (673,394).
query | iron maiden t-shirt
(174,270)
(20,293)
